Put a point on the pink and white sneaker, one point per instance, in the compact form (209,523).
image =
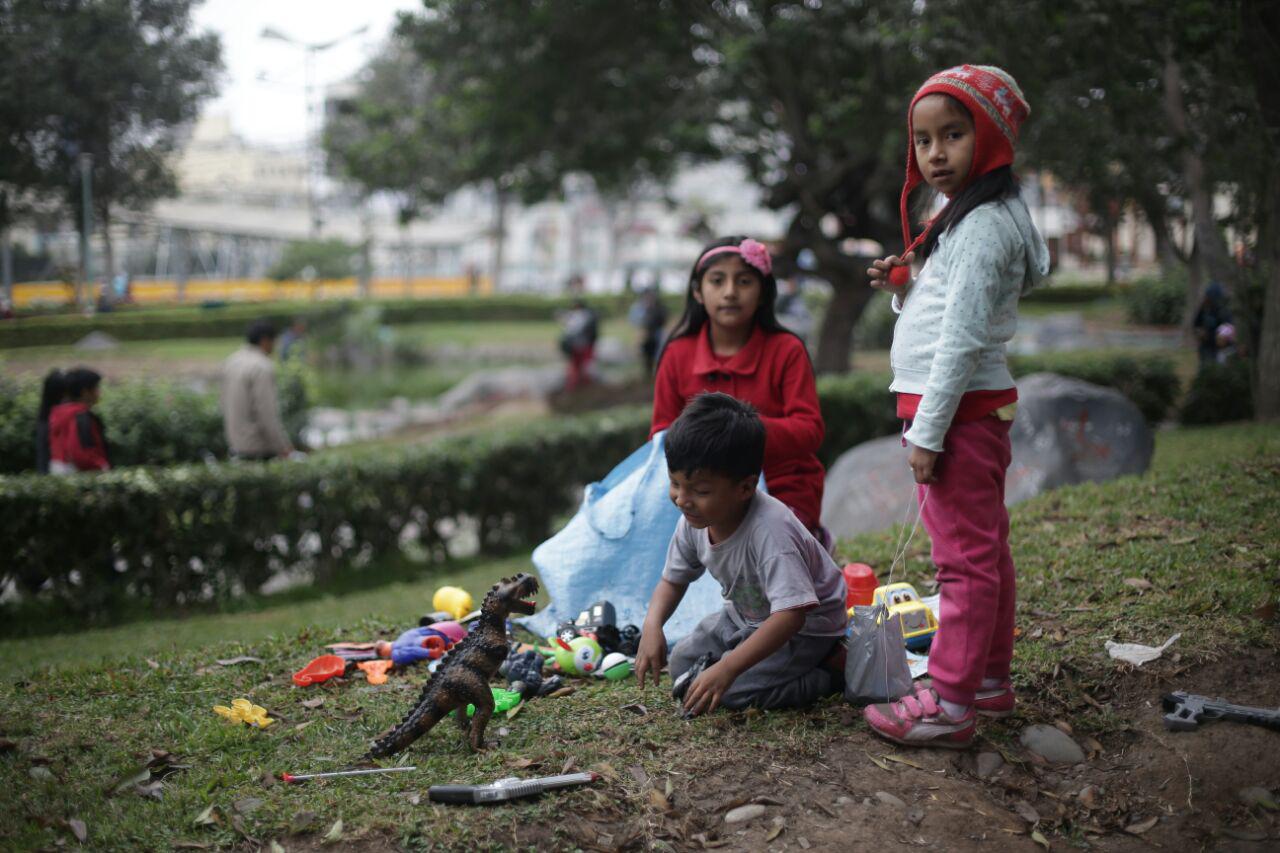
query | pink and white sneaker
(993,702)
(919,720)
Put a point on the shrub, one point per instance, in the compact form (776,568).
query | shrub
(195,532)
(856,407)
(1219,393)
(315,259)
(147,422)
(1149,380)
(874,329)
(1156,301)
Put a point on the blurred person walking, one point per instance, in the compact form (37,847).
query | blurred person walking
(77,436)
(53,392)
(250,402)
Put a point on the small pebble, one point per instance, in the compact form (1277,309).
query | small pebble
(890,800)
(915,814)
(1256,796)
(741,814)
(988,764)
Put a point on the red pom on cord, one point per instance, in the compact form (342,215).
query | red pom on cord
(900,276)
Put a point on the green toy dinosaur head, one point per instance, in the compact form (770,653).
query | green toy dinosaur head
(511,595)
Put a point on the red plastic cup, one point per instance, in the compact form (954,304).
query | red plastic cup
(860,584)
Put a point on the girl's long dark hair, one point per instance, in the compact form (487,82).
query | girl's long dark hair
(52,392)
(694,318)
(997,184)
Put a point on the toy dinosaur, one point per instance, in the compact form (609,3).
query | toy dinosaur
(464,673)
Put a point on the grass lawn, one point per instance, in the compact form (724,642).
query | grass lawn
(1189,547)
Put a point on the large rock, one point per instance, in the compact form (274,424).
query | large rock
(1067,431)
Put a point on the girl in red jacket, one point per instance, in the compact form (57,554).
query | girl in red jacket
(77,439)
(729,340)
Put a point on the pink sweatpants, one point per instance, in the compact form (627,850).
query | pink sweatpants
(967,520)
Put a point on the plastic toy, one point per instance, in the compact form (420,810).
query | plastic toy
(503,701)
(452,600)
(599,614)
(615,667)
(321,669)
(244,711)
(579,657)
(917,620)
(375,670)
(423,643)
(860,584)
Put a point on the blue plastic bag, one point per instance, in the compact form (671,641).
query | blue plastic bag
(614,548)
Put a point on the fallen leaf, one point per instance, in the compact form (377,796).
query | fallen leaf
(636,708)
(135,777)
(313,703)
(1064,727)
(521,762)
(563,691)
(1266,612)
(511,712)
(191,845)
(153,791)
(276,847)
(776,831)
(1142,825)
(268,779)
(1140,584)
(41,772)
(669,789)
(637,773)
(154,664)
(1088,797)
(659,800)
(241,659)
(1026,811)
(1038,838)
(414,799)
(78,829)
(248,805)
(907,761)
(767,801)
(208,817)
(334,835)
(237,823)
(606,770)
(878,763)
(300,726)
(569,764)
(1093,745)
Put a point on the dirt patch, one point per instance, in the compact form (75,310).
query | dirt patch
(835,786)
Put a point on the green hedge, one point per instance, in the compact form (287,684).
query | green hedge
(1149,380)
(201,532)
(198,532)
(1219,393)
(146,324)
(1156,301)
(147,422)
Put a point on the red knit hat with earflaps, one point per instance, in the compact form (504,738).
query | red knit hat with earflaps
(998,108)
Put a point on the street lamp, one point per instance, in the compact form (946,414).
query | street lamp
(310,49)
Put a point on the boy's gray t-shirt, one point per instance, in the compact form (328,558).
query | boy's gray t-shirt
(770,563)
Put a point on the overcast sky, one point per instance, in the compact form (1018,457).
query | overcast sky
(271,109)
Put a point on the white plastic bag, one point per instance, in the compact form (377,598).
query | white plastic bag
(614,549)
(875,669)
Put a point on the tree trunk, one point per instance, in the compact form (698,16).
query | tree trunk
(499,239)
(835,339)
(108,248)
(1266,365)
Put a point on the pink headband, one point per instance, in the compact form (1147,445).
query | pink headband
(752,251)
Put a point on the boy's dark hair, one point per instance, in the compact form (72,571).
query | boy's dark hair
(717,433)
(260,329)
(80,379)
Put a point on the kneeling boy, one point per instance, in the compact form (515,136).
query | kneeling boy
(784,597)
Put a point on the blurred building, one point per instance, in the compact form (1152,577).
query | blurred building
(217,165)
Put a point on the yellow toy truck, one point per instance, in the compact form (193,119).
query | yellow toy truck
(917,620)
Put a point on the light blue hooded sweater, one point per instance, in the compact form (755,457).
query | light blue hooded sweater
(957,316)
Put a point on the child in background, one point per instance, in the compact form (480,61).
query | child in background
(729,340)
(955,393)
(77,438)
(52,392)
(784,597)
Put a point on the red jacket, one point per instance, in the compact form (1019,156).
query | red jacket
(77,438)
(773,373)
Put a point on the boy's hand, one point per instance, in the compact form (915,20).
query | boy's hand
(880,271)
(707,689)
(922,463)
(651,656)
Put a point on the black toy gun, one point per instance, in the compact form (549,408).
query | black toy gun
(1185,711)
(506,789)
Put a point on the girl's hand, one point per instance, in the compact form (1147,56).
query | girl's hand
(879,272)
(707,689)
(651,656)
(922,463)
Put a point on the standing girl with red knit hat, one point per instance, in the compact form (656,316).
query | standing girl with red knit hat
(955,393)
(729,339)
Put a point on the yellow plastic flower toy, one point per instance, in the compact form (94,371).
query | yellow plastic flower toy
(244,711)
